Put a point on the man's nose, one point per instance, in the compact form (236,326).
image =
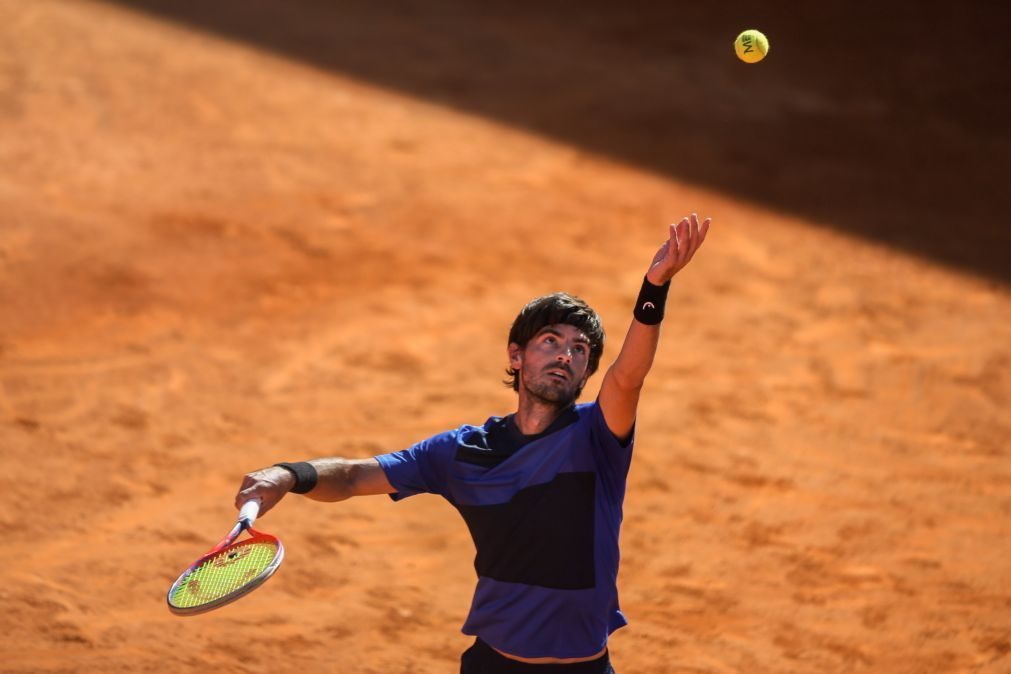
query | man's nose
(566,354)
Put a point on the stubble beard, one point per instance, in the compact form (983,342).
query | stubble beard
(549,394)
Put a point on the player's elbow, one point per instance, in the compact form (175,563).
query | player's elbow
(354,477)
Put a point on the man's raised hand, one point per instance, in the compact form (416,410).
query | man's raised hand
(685,238)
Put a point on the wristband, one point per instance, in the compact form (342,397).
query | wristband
(649,306)
(305,476)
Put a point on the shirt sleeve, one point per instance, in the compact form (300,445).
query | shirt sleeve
(421,468)
(613,457)
(603,434)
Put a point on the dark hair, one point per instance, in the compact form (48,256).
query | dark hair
(551,310)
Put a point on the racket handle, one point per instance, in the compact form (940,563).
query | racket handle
(247,514)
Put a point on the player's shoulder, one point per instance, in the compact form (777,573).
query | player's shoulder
(440,441)
(587,410)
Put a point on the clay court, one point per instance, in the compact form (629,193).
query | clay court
(268,231)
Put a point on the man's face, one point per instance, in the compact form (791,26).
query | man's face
(553,365)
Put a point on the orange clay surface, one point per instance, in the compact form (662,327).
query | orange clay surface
(213,258)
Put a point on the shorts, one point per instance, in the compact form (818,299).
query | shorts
(483,659)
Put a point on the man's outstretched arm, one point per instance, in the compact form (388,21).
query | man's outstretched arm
(619,392)
(336,480)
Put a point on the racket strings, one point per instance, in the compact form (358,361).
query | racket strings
(224,573)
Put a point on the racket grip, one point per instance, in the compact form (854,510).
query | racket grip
(247,514)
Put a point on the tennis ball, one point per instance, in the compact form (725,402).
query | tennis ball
(751,46)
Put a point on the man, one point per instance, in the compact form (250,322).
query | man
(541,490)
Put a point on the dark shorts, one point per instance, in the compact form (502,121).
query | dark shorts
(483,659)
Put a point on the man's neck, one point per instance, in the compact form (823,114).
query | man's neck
(534,416)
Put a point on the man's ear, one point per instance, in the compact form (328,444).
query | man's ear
(515,356)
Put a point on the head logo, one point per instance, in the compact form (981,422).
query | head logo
(648,305)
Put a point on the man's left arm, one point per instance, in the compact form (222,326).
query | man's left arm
(619,392)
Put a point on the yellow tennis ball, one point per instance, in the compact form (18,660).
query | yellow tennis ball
(751,46)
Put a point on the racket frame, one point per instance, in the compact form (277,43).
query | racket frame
(245,523)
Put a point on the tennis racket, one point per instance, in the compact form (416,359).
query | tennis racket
(229,570)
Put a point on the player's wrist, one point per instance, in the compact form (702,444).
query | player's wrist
(285,479)
(302,476)
(649,306)
(657,277)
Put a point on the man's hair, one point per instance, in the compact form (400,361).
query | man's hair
(551,310)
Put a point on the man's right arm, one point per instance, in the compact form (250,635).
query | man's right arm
(339,479)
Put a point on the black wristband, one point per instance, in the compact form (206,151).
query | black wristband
(652,299)
(305,476)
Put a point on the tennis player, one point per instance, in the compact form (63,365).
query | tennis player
(541,490)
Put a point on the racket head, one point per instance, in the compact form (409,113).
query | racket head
(222,576)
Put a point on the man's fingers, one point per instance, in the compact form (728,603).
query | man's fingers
(684,239)
(266,498)
(243,496)
(694,237)
(699,238)
(693,228)
(252,487)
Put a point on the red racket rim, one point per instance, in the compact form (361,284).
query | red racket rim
(243,590)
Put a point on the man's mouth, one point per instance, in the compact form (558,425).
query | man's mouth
(558,374)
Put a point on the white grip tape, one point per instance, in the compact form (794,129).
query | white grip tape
(249,511)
